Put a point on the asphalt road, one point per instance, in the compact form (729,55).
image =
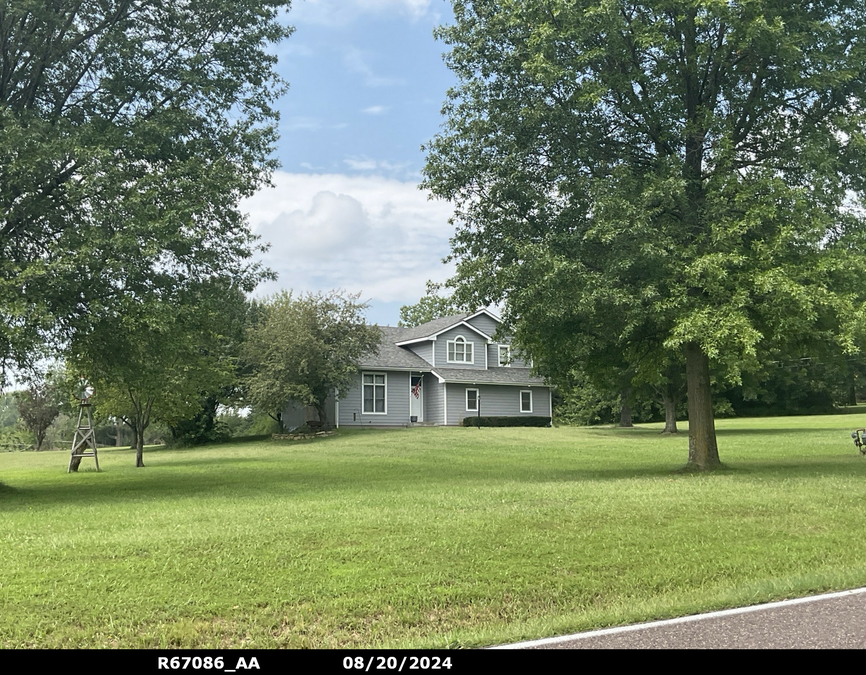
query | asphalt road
(831,621)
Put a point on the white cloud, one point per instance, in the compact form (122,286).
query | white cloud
(367,164)
(331,223)
(367,234)
(375,110)
(361,164)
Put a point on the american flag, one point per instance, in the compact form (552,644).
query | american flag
(416,390)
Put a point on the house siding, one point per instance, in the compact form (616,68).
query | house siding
(496,401)
(478,349)
(484,323)
(424,350)
(295,414)
(433,399)
(396,402)
(493,357)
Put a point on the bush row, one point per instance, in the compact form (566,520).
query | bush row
(529,421)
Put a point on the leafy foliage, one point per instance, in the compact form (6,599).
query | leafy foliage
(431,306)
(796,386)
(38,406)
(205,424)
(669,180)
(203,427)
(129,130)
(305,347)
(15,438)
(154,359)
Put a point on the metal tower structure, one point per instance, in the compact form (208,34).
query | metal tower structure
(84,441)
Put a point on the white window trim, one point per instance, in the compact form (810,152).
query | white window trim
(364,384)
(466,343)
(477,397)
(499,349)
(520,401)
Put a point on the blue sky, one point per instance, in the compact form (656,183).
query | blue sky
(366,85)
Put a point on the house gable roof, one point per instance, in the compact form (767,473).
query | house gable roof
(483,311)
(431,329)
(426,330)
(391,356)
(462,324)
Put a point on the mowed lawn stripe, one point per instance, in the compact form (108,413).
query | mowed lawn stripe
(423,537)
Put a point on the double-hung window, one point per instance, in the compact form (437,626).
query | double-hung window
(504,355)
(460,350)
(375,386)
(471,400)
(526,401)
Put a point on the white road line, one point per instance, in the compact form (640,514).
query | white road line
(682,619)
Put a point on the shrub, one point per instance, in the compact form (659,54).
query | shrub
(528,421)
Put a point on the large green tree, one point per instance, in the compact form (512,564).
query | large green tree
(152,361)
(129,131)
(303,348)
(204,426)
(39,405)
(676,175)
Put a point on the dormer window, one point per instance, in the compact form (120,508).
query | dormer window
(504,355)
(460,351)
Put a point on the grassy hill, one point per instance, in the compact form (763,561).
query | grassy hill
(426,537)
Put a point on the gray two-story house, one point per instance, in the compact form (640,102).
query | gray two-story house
(438,373)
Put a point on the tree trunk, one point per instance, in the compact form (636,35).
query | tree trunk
(852,387)
(278,418)
(625,408)
(322,413)
(670,404)
(703,451)
(139,447)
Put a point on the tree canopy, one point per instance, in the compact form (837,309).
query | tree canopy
(39,405)
(129,131)
(156,359)
(430,306)
(303,348)
(680,176)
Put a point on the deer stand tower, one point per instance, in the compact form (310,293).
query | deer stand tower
(83,442)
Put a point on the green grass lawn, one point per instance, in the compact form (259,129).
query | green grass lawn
(427,537)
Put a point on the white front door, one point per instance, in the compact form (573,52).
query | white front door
(416,397)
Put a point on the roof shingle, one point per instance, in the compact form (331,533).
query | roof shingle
(392,356)
(491,376)
(431,327)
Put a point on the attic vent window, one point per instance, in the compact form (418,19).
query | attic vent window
(460,351)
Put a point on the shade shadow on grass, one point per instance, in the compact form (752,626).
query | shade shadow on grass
(165,482)
(770,431)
